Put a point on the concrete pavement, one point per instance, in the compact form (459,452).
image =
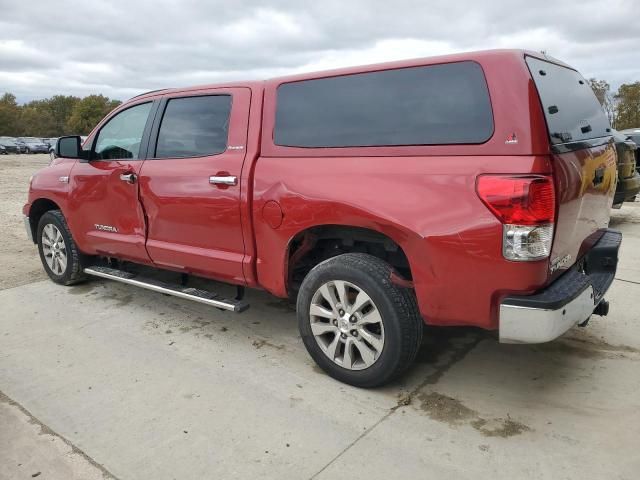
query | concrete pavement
(132,384)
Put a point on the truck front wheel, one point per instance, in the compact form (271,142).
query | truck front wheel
(357,325)
(60,256)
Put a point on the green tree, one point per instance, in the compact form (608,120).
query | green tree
(61,107)
(36,119)
(88,112)
(9,115)
(602,89)
(628,106)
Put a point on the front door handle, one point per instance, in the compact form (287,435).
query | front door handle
(128,177)
(223,180)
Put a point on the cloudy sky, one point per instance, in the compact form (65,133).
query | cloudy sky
(122,48)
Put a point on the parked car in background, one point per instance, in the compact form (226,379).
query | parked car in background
(9,144)
(634,134)
(34,145)
(628,184)
(52,146)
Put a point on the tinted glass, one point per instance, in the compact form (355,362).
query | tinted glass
(120,137)
(439,104)
(571,108)
(194,126)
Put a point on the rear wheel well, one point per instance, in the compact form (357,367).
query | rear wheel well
(313,246)
(39,208)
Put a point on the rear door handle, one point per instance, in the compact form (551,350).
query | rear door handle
(223,180)
(128,177)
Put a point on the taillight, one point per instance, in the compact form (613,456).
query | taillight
(526,206)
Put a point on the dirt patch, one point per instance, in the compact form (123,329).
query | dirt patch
(505,427)
(588,347)
(262,343)
(452,411)
(445,409)
(121,301)
(595,343)
(188,328)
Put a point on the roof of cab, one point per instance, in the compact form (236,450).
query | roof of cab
(477,56)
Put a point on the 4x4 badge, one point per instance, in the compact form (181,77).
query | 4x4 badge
(511,139)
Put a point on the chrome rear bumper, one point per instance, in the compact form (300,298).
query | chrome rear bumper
(537,325)
(569,300)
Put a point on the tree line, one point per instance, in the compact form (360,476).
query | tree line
(622,107)
(52,117)
(69,115)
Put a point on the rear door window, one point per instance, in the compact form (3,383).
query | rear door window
(427,105)
(571,108)
(194,127)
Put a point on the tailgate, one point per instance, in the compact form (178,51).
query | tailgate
(585,182)
(583,159)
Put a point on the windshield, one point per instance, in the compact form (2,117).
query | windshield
(571,108)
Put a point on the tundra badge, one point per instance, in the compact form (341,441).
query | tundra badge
(106,228)
(560,262)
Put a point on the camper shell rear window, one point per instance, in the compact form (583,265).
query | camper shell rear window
(570,107)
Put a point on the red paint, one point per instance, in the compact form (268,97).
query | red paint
(195,226)
(100,197)
(422,197)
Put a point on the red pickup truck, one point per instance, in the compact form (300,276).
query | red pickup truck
(470,189)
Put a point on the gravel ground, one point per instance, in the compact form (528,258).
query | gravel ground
(19,257)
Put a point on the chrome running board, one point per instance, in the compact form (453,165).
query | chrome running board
(188,293)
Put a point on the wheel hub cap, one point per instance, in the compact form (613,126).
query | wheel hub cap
(347,325)
(343,324)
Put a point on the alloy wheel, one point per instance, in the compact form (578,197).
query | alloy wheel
(54,249)
(347,325)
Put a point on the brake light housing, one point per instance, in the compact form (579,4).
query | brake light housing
(526,206)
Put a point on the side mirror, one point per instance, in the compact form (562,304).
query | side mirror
(69,147)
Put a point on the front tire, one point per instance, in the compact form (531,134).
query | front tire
(59,254)
(356,324)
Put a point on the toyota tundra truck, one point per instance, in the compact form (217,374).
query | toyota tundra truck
(471,189)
